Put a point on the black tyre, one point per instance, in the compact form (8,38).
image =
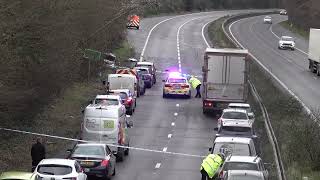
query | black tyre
(120,155)
(114,171)
(130,112)
(126,152)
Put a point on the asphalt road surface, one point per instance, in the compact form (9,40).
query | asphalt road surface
(172,125)
(291,67)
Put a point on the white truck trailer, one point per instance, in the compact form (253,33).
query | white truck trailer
(314,51)
(225,78)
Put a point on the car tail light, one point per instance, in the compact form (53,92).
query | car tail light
(104,163)
(207,103)
(167,85)
(185,86)
(129,100)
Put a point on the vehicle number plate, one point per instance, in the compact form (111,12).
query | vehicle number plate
(108,124)
(176,87)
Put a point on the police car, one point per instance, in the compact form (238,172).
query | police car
(176,84)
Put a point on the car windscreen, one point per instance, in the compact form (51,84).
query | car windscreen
(236,149)
(240,166)
(234,115)
(107,102)
(54,169)
(248,109)
(286,39)
(176,80)
(89,151)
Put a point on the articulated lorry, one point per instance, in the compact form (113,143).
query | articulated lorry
(225,78)
(314,51)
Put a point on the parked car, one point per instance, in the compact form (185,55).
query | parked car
(146,76)
(95,159)
(286,42)
(17,175)
(127,99)
(233,115)
(243,175)
(267,20)
(244,163)
(239,146)
(152,68)
(283,12)
(244,106)
(59,169)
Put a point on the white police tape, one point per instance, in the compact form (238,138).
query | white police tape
(112,145)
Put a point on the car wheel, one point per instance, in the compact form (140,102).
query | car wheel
(130,112)
(164,95)
(292,49)
(114,171)
(126,152)
(120,155)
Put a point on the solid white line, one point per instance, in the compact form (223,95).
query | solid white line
(169,136)
(157,165)
(173,124)
(203,36)
(274,76)
(165,149)
(271,29)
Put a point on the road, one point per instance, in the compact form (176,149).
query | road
(291,67)
(172,125)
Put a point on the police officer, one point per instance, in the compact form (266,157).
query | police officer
(38,152)
(210,166)
(195,83)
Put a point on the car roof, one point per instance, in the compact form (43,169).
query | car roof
(245,172)
(107,97)
(286,37)
(239,105)
(16,175)
(247,159)
(145,68)
(241,140)
(67,162)
(235,110)
(145,63)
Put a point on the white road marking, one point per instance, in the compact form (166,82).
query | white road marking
(173,124)
(175,114)
(203,36)
(274,76)
(169,136)
(157,166)
(270,29)
(177,105)
(165,149)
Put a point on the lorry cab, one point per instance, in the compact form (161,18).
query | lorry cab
(106,124)
(122,81)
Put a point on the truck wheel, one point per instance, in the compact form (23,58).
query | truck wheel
(120,154)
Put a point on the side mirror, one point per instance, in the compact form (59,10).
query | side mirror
(210,149)
(216,129)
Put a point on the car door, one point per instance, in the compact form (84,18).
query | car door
(112,160)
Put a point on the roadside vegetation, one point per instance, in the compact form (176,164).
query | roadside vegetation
(44,78)
(298,135)
(295,29)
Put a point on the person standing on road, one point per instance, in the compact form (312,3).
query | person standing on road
(211,165)
(196,84)
(38,152)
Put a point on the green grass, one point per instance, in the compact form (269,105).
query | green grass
(217,36)
(295,29)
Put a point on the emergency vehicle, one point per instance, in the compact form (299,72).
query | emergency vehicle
(176,84)
(133,21)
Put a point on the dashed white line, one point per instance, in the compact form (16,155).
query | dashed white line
(173,124)
(157,165)
(175,114)
(169,136)
(165,149)
(177,105)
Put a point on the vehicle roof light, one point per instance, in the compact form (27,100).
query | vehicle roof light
(174,75)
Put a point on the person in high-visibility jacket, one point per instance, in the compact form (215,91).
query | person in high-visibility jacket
(211,165)
(195,83)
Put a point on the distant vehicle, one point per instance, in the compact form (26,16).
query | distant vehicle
(127,98)
(244,106)
(314,51)
(243,163)
(152,68)
(140,82)
(122,81)
(146,76)
(177,85)
(286,42)
(233,115)
(142,85)
(17,175)
(225,74)
(107,100)
(133,21)
(238,146)
(283,12)
(107,125)
(267,20)
(59,169)
(95,159)
(244,175)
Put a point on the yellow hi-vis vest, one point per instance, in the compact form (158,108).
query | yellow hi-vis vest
(211,164)
(194,82)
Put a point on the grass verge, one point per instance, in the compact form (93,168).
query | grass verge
(62,117)
(295,29)
(217,36)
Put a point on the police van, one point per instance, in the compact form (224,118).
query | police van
(107,124)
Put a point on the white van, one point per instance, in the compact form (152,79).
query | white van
(122,81)
(108,125)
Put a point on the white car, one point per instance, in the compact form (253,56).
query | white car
(244,175)
(233,115)
(59,169)
(286,42)
(244,106)
(267,20)
(239,146)
(283,12)
(176,84)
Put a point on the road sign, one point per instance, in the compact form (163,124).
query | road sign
(92,54)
